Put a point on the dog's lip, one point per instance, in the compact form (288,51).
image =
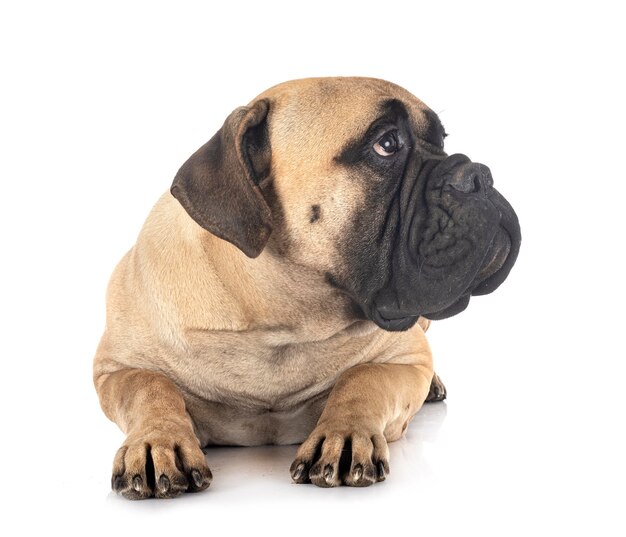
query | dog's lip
(456,307)
(390,319)
(393,323)
(510,230)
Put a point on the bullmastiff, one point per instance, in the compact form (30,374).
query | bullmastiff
(280,291)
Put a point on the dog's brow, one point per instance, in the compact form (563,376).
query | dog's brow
(390,111)
(435,132)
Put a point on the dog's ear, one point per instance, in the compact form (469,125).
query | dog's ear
(218,185)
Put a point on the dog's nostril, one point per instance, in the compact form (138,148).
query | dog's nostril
(476,183)
(466,182)
(476,179)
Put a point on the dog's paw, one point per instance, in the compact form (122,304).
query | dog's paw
(333,456)
(161,464)
(437,390)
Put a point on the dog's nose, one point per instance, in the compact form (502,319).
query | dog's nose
(471,178)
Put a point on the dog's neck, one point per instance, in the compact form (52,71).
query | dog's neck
(210,285)
(280,301)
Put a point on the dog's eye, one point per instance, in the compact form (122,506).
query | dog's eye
(387,145)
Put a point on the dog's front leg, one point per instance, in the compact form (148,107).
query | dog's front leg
(161,456)
(370,405)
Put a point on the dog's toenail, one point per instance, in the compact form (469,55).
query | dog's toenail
(381,470)
(328,473)
(164,483)
(197,478)
(299,471)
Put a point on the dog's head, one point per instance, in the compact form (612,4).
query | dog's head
(349,177)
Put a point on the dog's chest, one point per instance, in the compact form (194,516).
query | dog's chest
(247,388)
(266,369)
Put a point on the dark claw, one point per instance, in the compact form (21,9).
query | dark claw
(164,483)
(357,472)
(329,471)
(137,483)
(381,471)
(197,478)
(298,472)
(118,483)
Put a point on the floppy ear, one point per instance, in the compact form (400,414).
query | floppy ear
(218,185)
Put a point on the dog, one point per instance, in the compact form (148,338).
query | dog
(280,291)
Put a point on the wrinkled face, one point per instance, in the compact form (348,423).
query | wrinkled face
(361,189)
(348,177)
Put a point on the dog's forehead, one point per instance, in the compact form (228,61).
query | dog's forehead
(318,116)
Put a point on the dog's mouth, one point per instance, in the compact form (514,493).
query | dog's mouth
(393,324)
(498,262)
(437,278)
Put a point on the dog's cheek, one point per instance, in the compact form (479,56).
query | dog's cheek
(314,216)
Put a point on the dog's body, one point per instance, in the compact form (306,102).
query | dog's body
(258,375)
(207,345)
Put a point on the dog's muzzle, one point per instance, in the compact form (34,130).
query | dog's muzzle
(457,237)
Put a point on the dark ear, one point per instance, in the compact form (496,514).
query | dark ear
(218,185)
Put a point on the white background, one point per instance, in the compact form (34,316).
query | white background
(102,102)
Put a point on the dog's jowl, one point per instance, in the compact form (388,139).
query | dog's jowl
(279,292)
